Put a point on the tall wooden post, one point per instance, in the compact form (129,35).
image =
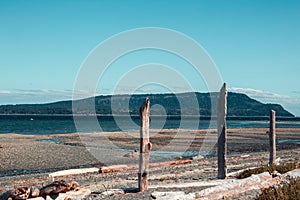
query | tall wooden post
(222,145)
(272,138)
(145,146)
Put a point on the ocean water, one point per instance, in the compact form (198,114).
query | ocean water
(58,124)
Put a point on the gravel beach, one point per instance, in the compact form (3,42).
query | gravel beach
(27,160)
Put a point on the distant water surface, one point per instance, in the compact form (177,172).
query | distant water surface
(57,124)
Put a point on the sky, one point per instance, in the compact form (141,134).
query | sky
(254,44)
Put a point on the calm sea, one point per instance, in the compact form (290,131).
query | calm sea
(57,124)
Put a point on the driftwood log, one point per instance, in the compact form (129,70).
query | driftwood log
(222,145)
(20,193)
(116,168)
(121,168)
(145,146)
(72,172)
(57,187)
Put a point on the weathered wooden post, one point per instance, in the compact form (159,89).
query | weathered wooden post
(272,138)
(145,146)
(222,145)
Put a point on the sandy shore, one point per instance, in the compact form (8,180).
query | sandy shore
(27,159)
(24,153)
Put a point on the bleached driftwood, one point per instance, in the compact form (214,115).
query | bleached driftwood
(188,185)
(168,195)
(112,192)
(235,173)
(255,182)
(73,172)
(232,187)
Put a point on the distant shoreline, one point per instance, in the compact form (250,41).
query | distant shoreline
(201,117)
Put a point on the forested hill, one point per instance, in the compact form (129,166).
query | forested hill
(162,104)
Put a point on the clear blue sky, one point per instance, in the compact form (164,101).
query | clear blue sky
(254,43)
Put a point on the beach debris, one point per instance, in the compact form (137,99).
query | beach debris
(121,168)
(169,195)
(134,154)
(178,158)
(20,193)
(57,187)
(34,192)
(71,195)
(114,168)
(245,156)
(113,192)
(79,194)
(235,173)
(208,183)
(73,172)
(275,174)
(199,157)
(168,163)
(278,161)
(230,187)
